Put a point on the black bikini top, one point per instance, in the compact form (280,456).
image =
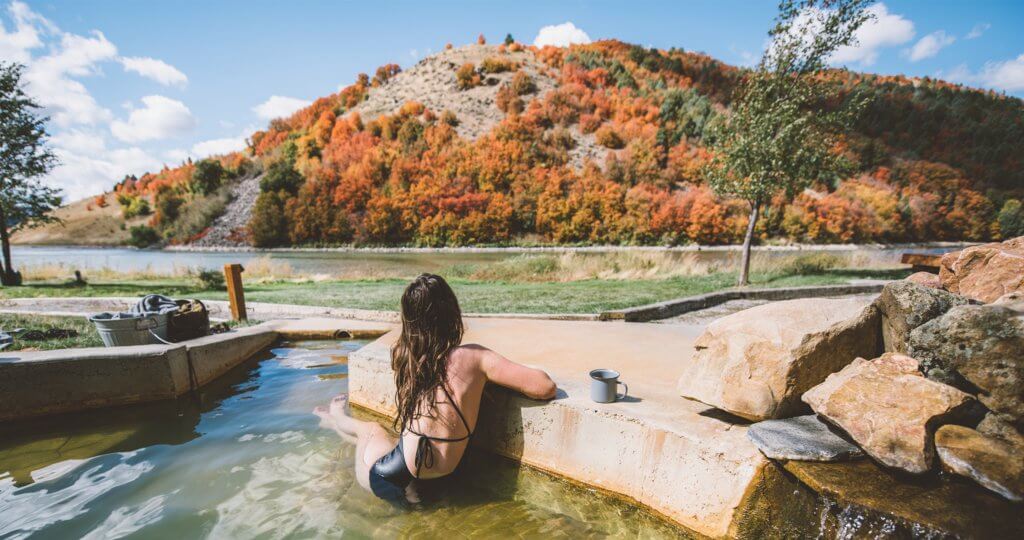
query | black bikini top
(425,450)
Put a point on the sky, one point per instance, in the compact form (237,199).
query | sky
(131,86)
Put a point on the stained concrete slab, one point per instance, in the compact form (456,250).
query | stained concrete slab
(678,457)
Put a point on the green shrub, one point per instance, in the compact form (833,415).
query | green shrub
(207,177)
(813,263)
(210,280)
(193,217)
(143,236)
(168,206)
(1011,219)
(282,176)
(268,226)
(132,207)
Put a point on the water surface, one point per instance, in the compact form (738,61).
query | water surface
(246,459)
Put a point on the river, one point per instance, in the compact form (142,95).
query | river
(402,262)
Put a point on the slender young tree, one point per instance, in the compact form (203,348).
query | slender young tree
(780,135)
(24,201)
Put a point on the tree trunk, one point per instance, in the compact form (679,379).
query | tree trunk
(755,209)
(7,276)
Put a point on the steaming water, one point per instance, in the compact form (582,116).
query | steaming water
(246,459)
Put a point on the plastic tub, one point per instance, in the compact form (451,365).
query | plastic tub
(130,328)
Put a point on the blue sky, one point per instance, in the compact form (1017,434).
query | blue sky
(133,85)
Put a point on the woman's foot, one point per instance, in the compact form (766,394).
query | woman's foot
(335,417)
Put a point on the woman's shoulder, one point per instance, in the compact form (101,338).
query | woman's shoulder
(468,353)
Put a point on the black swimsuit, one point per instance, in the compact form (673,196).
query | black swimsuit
(389,476)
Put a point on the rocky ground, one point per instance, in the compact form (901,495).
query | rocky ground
(432,82)
(228,230)
(927,377)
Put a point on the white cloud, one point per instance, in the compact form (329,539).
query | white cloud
(87,167)
(158,70)
(883,30)
(560,35)
(15,45)
(1006,75)
(978,30)
(49,79)
(930,45)
(159,118)
(215,147)
(278,106)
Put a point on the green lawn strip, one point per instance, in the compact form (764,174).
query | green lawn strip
(87,335)
(585,296)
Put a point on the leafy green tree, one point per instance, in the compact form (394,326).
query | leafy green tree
(509,39)
(24,157)
(143,236)
(780,135)
(1011,219)
(268,226)
(207,177)
(281,176)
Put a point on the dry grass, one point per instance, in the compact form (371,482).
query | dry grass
(525,268)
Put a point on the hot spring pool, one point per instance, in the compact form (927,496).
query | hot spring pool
(246,458)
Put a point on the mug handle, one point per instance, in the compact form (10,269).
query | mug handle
(625,391)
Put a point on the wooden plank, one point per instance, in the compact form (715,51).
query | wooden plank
(236,294)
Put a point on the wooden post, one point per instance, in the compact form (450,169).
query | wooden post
(236,295)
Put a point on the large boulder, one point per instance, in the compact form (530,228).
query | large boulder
(906,305)
(887,407)
(985,272)
(756,363)
(925,279)
(983,345)
(992,462)
(802,438)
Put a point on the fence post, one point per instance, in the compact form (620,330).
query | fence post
(236,295)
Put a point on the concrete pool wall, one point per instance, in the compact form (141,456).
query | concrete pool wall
(39,383)
(677,457)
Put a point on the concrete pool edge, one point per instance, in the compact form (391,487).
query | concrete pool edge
(40,383)
(693,469)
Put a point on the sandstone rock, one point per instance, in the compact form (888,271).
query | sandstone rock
(803,438)
(994,463)
(888,408)
(985,346)
(756,363)
(925,279)
(906,305)
(997,427)
(985,272)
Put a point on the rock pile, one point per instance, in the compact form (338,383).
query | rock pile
(929,376)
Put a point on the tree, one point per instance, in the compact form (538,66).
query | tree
(207,177)
(781,134)
(509,39)
(24,201)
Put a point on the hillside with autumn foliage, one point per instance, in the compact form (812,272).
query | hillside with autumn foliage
(604,143)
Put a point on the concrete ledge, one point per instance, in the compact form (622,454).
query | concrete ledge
(672,308)
(50,382)
(672,455)
(38,383)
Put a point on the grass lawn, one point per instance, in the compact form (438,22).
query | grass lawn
(87,336)
(478,296)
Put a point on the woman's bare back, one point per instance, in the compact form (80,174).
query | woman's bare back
(470,367)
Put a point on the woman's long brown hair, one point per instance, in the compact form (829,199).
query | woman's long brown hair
(431,328)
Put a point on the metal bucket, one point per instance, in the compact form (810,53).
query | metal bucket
(130,328)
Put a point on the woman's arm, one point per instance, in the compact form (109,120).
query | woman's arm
(531,382)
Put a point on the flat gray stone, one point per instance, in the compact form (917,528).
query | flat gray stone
(803,438)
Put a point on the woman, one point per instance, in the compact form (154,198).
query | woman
(440,384)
